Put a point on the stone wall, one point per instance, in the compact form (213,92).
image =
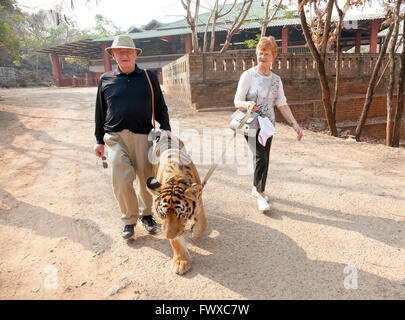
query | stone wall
(7,77)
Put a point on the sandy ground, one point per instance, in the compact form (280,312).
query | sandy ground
(336,229)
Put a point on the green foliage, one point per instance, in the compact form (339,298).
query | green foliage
(290,14)
(10,16)
(252,43)
(104,28)
(22,34)
(39,31)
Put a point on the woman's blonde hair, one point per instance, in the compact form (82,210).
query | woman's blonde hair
(268,43)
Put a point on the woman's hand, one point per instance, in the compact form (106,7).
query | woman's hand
(252,107)
(297,129)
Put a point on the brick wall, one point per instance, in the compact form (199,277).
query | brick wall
(209,81)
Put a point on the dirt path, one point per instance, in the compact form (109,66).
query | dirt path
(338,214)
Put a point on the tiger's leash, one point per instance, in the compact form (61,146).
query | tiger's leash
(215,165)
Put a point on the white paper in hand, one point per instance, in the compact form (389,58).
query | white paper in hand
(266,130)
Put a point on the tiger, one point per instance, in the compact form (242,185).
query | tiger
(177,197)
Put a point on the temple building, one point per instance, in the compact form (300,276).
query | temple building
(163,43)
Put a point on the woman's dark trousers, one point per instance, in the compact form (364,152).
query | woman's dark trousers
(261,157)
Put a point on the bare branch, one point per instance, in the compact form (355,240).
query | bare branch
(326,29)
(224,14)
(266,19)
(237,23)
(305,29)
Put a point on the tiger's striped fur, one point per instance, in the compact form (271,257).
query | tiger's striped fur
(177,192)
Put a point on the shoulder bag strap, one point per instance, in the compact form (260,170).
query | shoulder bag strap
(153,99)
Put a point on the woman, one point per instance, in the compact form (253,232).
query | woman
(260,90)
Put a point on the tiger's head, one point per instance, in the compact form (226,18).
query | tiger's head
(175,202)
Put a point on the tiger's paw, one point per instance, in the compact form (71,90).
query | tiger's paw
(181,266)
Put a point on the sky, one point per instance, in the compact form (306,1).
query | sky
(124,13)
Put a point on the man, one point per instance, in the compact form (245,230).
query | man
(123,122)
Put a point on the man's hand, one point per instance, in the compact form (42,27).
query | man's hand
(165,133)
(99,150)
(169,134)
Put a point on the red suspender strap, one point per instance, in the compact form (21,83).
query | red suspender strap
(153,99)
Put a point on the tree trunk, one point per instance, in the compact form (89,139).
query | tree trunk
(218,15)
(400,94)
(326,100)
(36,66)
(391,83)
(390,95)
(212,44)
(192,21)
(266,19)
(338,51)
(194,39)
(372,85)
(214,24)
(206,32)
(194,30)
(320,61)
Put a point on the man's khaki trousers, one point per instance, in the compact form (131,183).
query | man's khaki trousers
(128,157)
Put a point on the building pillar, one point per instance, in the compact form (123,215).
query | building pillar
(187,41)
(106,58)
(374,36)
(284,42)
(358,42)
(56,69)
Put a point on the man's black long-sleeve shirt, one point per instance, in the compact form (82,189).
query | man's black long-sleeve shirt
(124,101)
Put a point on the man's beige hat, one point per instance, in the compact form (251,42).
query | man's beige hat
(124,42)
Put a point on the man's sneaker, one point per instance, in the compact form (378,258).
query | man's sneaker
(262,204)
(128,231)
(256,194)
(149,224)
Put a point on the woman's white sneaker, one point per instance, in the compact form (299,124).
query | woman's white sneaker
(262,204)
(256,194)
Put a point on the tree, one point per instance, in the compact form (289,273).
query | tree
(391,83)
(10,16)
(400,92)
(337,35)
(104,28)
(206,31)
(374,76)
(319,55)
(59,11)
(239,19)
(320,34)
(34,31)
(266,19)
(218,14)
(192,20)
